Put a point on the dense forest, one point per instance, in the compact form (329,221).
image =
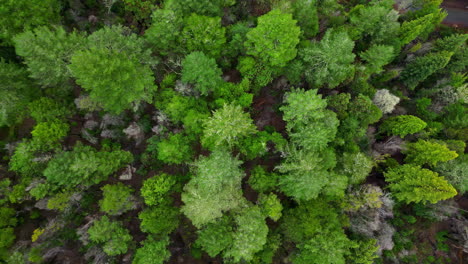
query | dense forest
(232,131)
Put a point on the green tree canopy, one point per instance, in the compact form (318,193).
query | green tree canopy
(114,237)
(117,199)
(152,251)
(205,34)
(329,62)
(202,72)
(410,183)
(274,39)
(428,152)
(403,125)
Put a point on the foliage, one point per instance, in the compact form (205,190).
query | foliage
(84,165)
(216,236)
(155,189)
(362,109)
(422,67)
(262,181)
(214,188)
(59,201)
(364,252)
(271,206)
(428,152)
(16,90)
(274,40)
(160,220)
(164,32)
(356,166)
(455,172)
(226,127)
(117,199)
(176,149)
(451,43)
(21,15)
(46,61)
(402,125)
(114,237)
(376,57)
(7,237)
(201,71)
(305,12)
(410,183)
(203,7)
(329,62)
(205,34)
(309,124)
(410,30)
(153,251)
(97,69)
(7,217)
(22,161)
(385,101)
(46,109)
(47,135)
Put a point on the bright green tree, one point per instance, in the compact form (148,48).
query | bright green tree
(47,53)
(116,199)
(176,149)
(410,183)
(115,239)
(202,72)
(403,125)
(271,206)
(216,236)
(22,15)
(274,40)
(98,69)
(452,43)
(428,152)
(226,127)
(156,189)
(84,165)
(205,34)
(202,7)
(153,251)
(376,57)
(214,189)
(47,135)
(329,62)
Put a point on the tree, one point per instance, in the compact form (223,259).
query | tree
(329,62)
(376,57)
(216,236)
(455,172)
(452,43)
(356,166)
(410,183)
(201,71)
(330,246)
(46,109)
(202,7)
(364,252)
(226,127)
(153,251)
(385,101)
(98,69)
(47,60)
(16,90)
(271,206)
(410,30)
(307,173)
(47,135)
(176,149)
(305,12)
(155,189)
(250,235)
(205,34)
(422,67)
(84,165)
(427,152)
(117,199)
(309,124)
(114,237)
(215,188)
(159,220)
(262,181)
(376,22)
(23,15)
(403,125)
(165,31)
(274,40)
(363,110)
